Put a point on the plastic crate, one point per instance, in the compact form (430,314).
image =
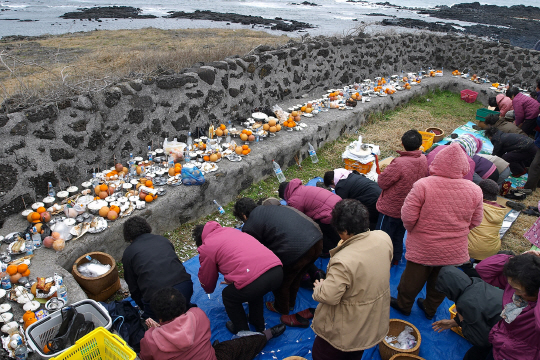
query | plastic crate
(453,314)
(351,164)
(40,332)
(468,95)
(427,139)
(99,345)
(481,114)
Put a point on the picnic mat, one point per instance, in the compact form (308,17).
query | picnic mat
(487,148)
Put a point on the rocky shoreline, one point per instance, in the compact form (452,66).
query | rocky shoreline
(517,24)
(107,12)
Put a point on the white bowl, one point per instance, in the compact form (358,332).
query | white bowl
(26,212)
(72,190)
(37,205)
(49,200)
(62,194)
(86,184)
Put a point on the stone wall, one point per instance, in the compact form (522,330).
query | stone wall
(65,140)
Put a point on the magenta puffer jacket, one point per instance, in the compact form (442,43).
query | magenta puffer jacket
(440,211)
(315,202)
(525,107)
(504,103)
(520,339)
(238,256)
(397,180)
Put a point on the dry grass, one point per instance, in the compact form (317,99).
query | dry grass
(43,66)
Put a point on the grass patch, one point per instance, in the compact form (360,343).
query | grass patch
(52,66)
(440,108)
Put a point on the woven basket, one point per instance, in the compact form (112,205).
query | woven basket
(406,357)
(396,327)
(97,285)
(295,358)
(439,137)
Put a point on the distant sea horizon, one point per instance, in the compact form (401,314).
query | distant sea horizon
(333,17)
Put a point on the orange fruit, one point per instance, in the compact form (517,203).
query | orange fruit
(278,127)
(303,108)
(26,273)
(272,129)
(244,131)
(103,195)
(148,198)
(28,315)
(238,150)
(103,187)
(222,127)
(104,211)
(41,209)
(245,147)
(22,268)
(206,158)
(171,172)
(115,208)
(178,165)
(245,152)
(12,269)
(149,183)
(243,137)
(35,216)
(291,125)
(266,127)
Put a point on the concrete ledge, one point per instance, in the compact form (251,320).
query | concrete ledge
(185,203)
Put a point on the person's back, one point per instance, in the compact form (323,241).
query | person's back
(503,124)
(525,107)
(150,263)
(282,230)
(315,202)
(504,103)
(238,256)
(431,156)
(187,337)
(506,142)
(357,186)
(484,240)
(440,210)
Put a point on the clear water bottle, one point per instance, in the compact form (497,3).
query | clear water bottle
(149,153)
(36,238)
(61,292)
(189,141)
(228,139)
(29,245)
(95,181)
(277,170)
(6,282)
(50,190)
(21,352)
(313,154)
(92,260)
(131,164)
(220,208)
(171,162)
(186,156)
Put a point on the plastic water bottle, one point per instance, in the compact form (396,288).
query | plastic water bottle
(61,292)
(279,173)
(92,260)
(36,238)
(21,352)
(6,282)
(313,154)
(132,169)
(186,156)
(220,208)
(29,245)
(189,140)
(51,190)
(228,139)
(149,153)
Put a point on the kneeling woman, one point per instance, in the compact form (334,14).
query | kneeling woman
(354,301)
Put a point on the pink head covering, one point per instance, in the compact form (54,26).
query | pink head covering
(340,174)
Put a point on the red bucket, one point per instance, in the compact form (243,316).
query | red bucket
(468,96)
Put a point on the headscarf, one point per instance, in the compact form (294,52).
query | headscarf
(470,143)
(340,174)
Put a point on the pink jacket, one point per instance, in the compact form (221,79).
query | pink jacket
(525,107)
(238,256)
(472,164)
(520,339)
(440,211)
(397,180)
(185,338)
(315,202)
(504,103)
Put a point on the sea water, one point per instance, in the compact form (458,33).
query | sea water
(334,17)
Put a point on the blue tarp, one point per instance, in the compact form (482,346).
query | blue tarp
(296,341)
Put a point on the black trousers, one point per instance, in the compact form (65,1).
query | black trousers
(479,353)
(253,295)
(322,350)
(534,172)
(520,159)
(395,229)
(528,126)
(330,237)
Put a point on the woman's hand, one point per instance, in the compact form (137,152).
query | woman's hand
(225,282)
(317,283)
(151,323)
(534,252)
(442,325)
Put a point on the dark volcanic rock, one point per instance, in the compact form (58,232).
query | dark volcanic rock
(275,24)
(122,12)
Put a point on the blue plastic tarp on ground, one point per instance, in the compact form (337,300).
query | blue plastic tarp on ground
(296,341)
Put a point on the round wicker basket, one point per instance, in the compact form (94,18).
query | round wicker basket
(396,327)
(295,358)
(439,137)
(406,357)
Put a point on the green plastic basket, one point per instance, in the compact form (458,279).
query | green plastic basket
(481,114)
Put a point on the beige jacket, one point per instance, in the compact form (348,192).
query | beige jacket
(354,301)
(484,240)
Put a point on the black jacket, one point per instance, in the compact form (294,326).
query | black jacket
(288,234)
(506,142)
(478,302)
(359,187)
(150,264)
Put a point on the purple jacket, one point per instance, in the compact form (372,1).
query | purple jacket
(238,256)
(520,339)
(525,107)
(435,151)
(315,202)
(483,167)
